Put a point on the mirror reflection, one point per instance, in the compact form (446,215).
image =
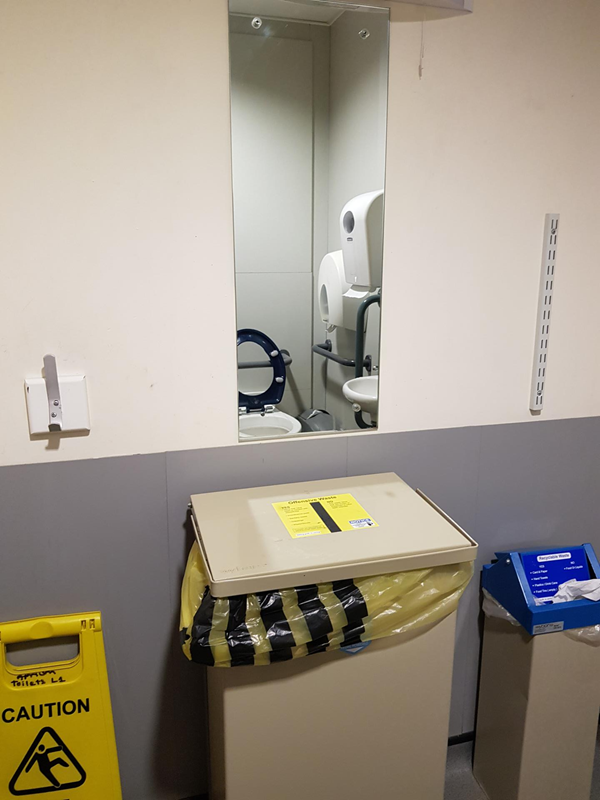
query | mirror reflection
(309,89)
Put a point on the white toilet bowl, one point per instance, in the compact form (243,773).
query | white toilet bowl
(274,423)
(259,418)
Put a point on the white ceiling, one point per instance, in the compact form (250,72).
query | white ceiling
(286,10)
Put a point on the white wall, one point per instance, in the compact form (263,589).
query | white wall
(502,129)
(116,216)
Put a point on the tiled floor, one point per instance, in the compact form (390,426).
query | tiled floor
(461,785)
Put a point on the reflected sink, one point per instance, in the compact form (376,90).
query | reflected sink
(363,392)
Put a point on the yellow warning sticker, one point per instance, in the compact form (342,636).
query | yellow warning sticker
(315,516)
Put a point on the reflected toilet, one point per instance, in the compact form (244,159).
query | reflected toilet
(259,417)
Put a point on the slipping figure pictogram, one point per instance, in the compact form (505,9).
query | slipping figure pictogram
(48,766)
(45,765)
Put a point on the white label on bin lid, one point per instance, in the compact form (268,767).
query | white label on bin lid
(549,627)
(554,557)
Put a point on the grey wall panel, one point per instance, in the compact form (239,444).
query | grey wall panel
(537,484)
(194,471)
(538,487)
(87,536)
(443,464)
(111,535)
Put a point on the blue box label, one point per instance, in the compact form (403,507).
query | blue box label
(546,571)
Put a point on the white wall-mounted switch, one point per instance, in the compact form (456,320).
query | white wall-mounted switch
(73,405)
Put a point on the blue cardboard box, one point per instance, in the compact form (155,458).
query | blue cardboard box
(519,578)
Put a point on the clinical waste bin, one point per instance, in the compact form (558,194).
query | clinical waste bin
(539,693)
(345,709)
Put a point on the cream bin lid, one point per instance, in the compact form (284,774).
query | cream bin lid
(249,545)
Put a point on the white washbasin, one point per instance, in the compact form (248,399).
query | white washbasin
(363,392)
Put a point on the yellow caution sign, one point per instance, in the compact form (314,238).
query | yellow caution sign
(56,726)
(316,516)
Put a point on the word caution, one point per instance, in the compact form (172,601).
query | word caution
(46,710)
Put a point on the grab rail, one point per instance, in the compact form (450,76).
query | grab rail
(360,361)
(287,360)
(360,332)
(325,349)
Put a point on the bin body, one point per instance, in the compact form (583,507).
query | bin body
(331,725)
(370,725)
(539,701)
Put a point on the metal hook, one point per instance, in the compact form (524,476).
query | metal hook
(55,419)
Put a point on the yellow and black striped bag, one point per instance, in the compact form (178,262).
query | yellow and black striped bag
(279,625)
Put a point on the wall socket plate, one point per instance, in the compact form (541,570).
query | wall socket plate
(74,401)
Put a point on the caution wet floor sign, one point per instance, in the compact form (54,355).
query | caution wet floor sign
(56,728)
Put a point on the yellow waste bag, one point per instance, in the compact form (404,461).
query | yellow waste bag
(56,726)
(267,627)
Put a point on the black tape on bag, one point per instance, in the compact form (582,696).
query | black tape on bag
(355,606)
(237,635)
(318,646)
(278,630)
(315,614)
(200,649)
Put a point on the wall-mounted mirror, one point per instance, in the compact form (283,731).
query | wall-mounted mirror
(309,85)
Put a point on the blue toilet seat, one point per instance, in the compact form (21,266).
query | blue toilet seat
(274,394)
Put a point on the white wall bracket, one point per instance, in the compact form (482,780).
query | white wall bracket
(56,404)
(544,317)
